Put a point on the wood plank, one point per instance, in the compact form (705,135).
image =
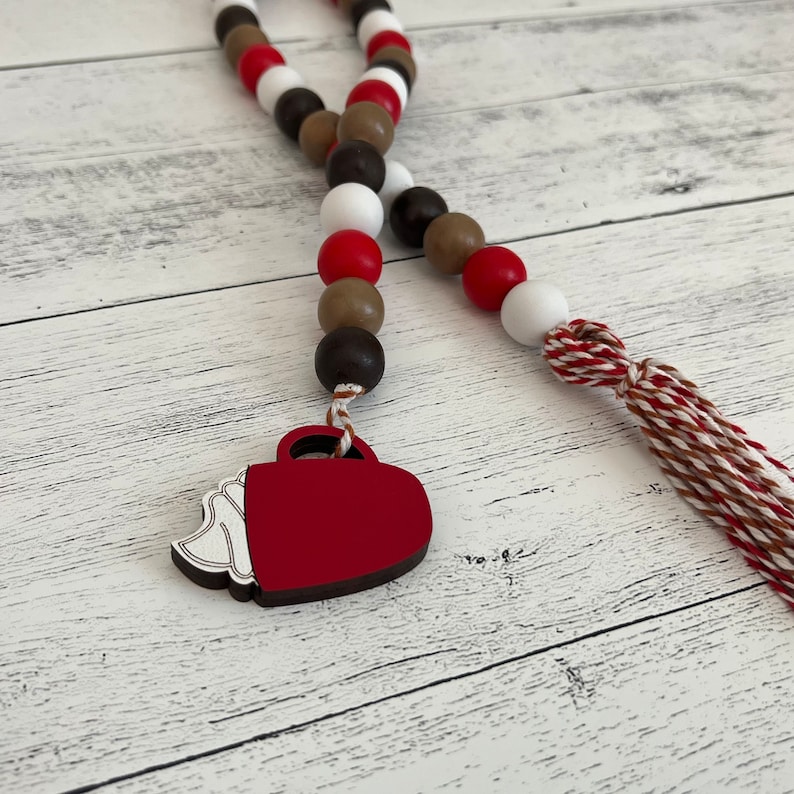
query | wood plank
(106,29)
(200,192)
(551,519)
(700,702)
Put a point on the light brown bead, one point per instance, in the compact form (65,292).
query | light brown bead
(366,121)
(345,6)
(317,134)
(450,240)
(239,39)
(350,302)
(400,55)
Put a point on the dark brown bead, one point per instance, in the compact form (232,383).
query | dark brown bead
(450,240)
(350,302)
(366,121)
(232,17)
(293,107)
(356,161)
(398,55)
(317,135)
(361,8)
(349,355)
(412,212)
(239,39)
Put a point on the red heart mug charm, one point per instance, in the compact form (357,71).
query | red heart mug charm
(304,529)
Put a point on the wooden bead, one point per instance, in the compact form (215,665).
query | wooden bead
(293,107)
(349,355)
(531,309)
(450,240)
(232,16)
(273,83)
(366,121)
(375,22)
(317,134)
(393,54)
(392,78)
(378,92)
(398,179)
(351,206)
(490,274)
(239,39)
(350,302)
(387,38)
(412,212)
(360,8)
(349,253)
(255,61)
(355,161)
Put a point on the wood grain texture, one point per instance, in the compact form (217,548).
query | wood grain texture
(139,200)
(575,626)
(551,519)
(595,716)
(94,29)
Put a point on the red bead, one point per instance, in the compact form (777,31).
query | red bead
(378,92)
(349,253)
(255,61)
(387,38)
(489,274)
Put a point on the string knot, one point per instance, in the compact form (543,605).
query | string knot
(711,462)
(638,373)
(338,415)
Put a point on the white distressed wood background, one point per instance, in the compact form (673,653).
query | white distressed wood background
(575,626)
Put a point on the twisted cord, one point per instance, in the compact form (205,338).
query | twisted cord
(710,461)
(338,415)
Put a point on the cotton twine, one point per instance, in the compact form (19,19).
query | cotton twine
(339,416)
(710,461)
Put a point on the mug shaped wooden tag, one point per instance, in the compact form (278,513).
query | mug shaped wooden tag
(303,529)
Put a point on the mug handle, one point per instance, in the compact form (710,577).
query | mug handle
(319,438)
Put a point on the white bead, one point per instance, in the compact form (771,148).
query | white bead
(392,78)
(273,83)
(220,5)
(398,179)
(376,22)
(351,206)
(531,309)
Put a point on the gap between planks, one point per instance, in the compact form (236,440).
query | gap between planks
(509,241)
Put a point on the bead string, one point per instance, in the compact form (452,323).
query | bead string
(710,461)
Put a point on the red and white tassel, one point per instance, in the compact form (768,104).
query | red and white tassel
(710,461)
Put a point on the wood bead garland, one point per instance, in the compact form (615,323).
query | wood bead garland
(709,460)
